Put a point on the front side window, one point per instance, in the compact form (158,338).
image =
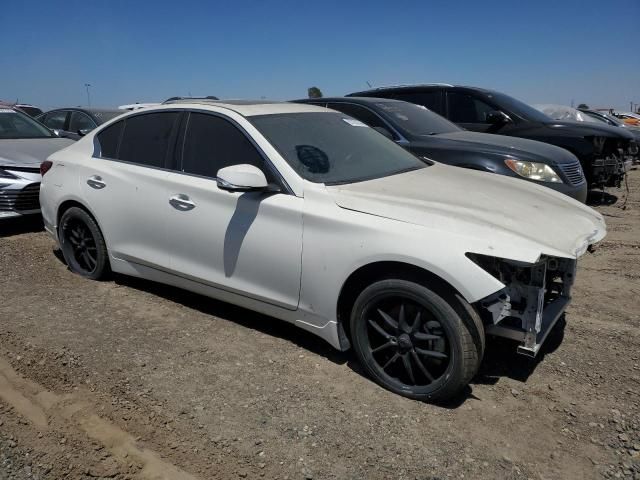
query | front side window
(15,124)
(56,120)
(464,108)
(80,121)
(146,138)
(332,148)
(212,143)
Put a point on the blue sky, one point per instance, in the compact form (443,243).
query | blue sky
(539,51)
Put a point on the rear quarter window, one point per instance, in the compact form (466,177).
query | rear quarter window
(109,139)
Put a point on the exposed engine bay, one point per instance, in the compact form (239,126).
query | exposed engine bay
(533,300)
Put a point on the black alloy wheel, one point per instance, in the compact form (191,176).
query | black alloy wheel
(412,341)
(82,244)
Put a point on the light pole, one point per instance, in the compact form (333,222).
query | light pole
(87,85)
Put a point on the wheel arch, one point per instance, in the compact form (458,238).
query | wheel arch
(66,205)
(365,275)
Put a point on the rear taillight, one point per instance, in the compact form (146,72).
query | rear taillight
(45,167)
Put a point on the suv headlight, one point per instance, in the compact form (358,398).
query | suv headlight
(5,174)
(540,172)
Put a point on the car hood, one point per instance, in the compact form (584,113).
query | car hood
(520,148)
(29,152)
(590,129)
(496,215)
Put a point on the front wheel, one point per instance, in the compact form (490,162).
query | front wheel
(82,244)
(412,341)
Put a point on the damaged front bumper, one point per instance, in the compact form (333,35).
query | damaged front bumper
(534,298)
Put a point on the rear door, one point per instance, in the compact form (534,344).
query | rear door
(124,184)
(248,243)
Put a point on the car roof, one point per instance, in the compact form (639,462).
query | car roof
(246,108)
(364,100)
(418,86)
(87,110)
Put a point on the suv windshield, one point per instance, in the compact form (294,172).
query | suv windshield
(333,148)
(14,124)
(527,112)
(415,119)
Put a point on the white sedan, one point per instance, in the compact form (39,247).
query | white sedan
(310,216)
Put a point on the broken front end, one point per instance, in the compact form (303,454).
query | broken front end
(534,298)
(613,159)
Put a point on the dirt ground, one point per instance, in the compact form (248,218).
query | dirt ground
(126,379)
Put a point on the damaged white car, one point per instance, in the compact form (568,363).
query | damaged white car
(310,216)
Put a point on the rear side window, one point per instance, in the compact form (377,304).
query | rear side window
(212,143)
(109,139)
(146,138)
(430,99)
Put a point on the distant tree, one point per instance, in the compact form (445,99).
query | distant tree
(314,92)
(583,106)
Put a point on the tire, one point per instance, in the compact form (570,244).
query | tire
(414,342)
(83,245)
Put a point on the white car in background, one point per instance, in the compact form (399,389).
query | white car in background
(24,145)
(308,215)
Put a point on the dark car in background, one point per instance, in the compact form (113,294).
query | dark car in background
(605,152)
(24,145)
(77,122)
(430,136)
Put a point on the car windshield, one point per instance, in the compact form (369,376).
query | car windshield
(333,148)
(527,112)
(415,119)
(14,124)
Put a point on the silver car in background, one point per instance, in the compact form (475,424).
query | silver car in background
(24,145)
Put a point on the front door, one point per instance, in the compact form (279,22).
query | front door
(468,111)
(249,243)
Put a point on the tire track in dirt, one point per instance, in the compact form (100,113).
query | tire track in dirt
(37,405)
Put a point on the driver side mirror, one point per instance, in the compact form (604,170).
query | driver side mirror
(83,131)
(384,132)
(241,178)
(496,117)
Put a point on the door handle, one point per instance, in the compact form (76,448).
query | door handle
(95,181)
(182,202)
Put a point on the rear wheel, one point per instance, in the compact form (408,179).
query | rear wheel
(414,342)
(82,244)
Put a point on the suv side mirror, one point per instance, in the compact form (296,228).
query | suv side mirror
(241,178)
(496,117)
(83,131)
(384,132)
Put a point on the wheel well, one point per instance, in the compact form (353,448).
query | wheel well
(366,275)
(66,205)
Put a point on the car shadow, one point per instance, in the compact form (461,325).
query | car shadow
(599,198)
(242,316)
(500,359)
(20,225)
